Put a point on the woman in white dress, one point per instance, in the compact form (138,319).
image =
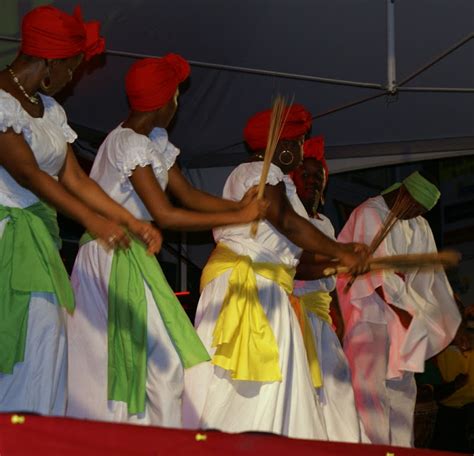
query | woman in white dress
(128,346)
(259,378)
(335,391)
(38,174)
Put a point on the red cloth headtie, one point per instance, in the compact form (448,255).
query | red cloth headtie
(151,83)
(50,33)
(298,122)
(314,148)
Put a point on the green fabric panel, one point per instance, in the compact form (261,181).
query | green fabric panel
(422,190)
(30,262)
(127,323)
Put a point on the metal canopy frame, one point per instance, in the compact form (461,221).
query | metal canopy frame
(390,89)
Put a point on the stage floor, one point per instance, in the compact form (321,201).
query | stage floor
(40,436)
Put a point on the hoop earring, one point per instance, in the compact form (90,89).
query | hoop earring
(286,162)
(45,84)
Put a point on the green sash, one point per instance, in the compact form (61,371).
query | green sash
(29,262)
(127,323)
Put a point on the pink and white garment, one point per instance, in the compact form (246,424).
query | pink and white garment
(384,355)
(336,395)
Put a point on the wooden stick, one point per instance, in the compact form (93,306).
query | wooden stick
(277,122)
(443,259)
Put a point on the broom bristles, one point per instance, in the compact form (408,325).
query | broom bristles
(277,121)
(402,205)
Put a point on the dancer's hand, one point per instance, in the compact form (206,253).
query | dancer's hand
(108,233)
(255,209)
(354,256)
(249,196)
(145,231)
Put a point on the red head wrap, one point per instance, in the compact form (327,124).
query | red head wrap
(152,82)
(298,122)
(314,148)
(49,33)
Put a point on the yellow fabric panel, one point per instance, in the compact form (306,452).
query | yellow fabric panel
(244,340)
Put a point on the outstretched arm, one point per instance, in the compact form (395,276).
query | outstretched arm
(77,182)
(18,159)
(312,266)
(303,233)
(193,198)
(169,217)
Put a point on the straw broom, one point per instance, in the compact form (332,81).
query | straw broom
(277,121)
(402,205)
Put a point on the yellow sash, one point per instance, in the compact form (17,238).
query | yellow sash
(244,341)
(318,303)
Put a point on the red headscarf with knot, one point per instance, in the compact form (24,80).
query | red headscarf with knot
(297,123)
(49,33)
(314,148)
(151,83)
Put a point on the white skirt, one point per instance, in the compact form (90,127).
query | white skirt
(87,343)
(38,383)
(213,400)
(336,395)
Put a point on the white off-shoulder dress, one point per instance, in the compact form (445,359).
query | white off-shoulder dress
(38,384)
(336,394)
(212,399)
(122,151)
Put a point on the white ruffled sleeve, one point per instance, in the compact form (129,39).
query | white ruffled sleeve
(250,174)
(57,113)
(132,150)
(247,175)
(12,115)
(168,151)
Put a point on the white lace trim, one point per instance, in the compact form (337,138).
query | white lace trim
(12,115)
(137,157)
(275,175)
(168,151)
(57,112)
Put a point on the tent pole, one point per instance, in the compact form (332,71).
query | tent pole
(239,69)
(391,58)
(438,58)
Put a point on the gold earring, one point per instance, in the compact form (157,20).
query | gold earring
(288,162)
(45,83)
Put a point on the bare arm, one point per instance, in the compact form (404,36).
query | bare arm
(196,199)
(303,233)
(18,159)
(169,217)
(313,271)
(77,182)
